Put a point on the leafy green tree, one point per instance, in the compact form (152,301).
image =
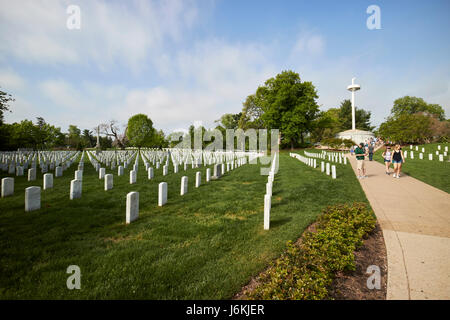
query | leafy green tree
(229,120)
(412,105)
(74,137)
(89,140)
(5,99)
(160,140)
(362,117)
(140,131)
(251,114)
(288,104)
(407,128)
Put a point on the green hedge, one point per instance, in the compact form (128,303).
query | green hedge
(306,271)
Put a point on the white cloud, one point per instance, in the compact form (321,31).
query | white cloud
(309,43)
(127,33)
(10,80)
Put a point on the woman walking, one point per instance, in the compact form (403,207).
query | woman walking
(397,160)
(387,154)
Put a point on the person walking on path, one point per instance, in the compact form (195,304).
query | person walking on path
(397,160)
(360,153)
(371,148)
(387,154)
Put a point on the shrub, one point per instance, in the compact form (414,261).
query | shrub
(306,271)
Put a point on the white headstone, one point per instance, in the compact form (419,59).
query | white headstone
(101,173)
(267,205)
(58,171)
(48,181)
(32,198)
(150,173)
(430,156)
(328,168)
(7,187)
(19,171)
(198,179)
(208,174)
(184,185)
(162,194)
(441,157)
(75,189)
(132,208)
(165,170)
(333,171)
(31,174)
(421,156)
(133,177)
(269,188)
(78,174)
(322,166)
(119,170)
(108,181)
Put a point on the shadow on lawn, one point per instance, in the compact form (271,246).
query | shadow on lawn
(279,222)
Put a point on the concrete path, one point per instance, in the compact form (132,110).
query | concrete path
(415,218)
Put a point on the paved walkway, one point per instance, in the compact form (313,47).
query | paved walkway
(415,218)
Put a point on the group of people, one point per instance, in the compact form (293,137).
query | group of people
(394,156)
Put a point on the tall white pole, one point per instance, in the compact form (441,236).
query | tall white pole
(353,111)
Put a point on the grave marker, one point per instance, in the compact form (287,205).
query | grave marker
(32,198)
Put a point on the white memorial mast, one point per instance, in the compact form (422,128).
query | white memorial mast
(354,134)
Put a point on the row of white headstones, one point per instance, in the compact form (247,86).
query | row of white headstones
(33,193)
(324,166)
(441,156)
(17,162)
(337,157)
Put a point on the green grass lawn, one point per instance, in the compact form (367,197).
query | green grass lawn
(434,172)
(204,245)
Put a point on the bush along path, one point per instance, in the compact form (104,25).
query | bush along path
(307,268)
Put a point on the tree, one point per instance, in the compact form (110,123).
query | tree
(5,99)
(288,105)
(327,125)
(74,137)
(362,117)
(229,120)
(140,131)
(88,139)
(407,128)
(251,114)
(413,105)
(160,140)
(112,129)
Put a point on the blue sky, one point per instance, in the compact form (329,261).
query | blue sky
(184,62)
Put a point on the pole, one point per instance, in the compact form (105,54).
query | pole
(353,110)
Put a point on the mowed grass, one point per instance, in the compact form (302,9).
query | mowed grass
(434,172)
(206,244)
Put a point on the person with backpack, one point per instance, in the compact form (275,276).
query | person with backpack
(360,153)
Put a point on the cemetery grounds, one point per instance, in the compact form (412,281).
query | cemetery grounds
(206,244)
